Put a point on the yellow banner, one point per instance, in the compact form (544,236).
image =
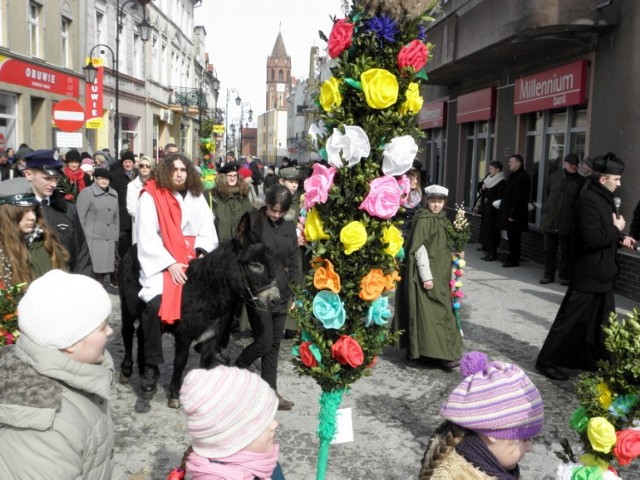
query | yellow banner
(218,128)
(94,123)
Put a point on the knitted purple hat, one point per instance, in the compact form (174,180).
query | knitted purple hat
(227,408)
(495,399)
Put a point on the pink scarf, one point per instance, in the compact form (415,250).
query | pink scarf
(241,466)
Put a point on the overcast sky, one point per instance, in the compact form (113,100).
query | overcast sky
(241,35)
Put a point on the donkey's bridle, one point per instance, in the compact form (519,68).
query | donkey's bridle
(251,291)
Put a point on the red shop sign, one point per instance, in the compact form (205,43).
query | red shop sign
(35,76)
(558,87)
(432,115)
(477,106)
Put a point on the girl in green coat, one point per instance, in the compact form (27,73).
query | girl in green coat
(230,200)
(424,304)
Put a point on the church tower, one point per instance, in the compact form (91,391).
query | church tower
(278,76)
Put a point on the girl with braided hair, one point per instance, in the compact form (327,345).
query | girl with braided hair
(490,419)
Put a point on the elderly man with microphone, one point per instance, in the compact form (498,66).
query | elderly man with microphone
(576,339)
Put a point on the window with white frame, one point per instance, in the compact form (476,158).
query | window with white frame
(551,134)
(138,55)
(101,32)
(34,29)
(478,154)
(163,66)
(129,133)
(65,54)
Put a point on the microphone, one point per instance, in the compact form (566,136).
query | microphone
(617,202)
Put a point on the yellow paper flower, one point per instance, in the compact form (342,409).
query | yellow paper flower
(590,460)
(605,395)
(393,237)
(353,236)
(313,227)
(413,103)
(602,434)
(380,87)
(330,96)
(461,263)
(458,284)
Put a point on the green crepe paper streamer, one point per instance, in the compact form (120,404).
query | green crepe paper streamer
(587,473)
(356,17)
(579,420)
(400,255)
(305,336)
(323,153)
(295,351)
(353,83)
(205,140)
(313,348)
(422,74)
(329,403)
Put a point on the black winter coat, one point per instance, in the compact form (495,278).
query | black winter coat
(594,264)
(515,200)
(634,230)
(557,211)
(119,182)
(62,217)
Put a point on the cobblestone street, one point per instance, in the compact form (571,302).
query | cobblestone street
(394,411)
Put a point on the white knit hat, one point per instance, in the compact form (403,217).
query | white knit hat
(227,408)
(60,309)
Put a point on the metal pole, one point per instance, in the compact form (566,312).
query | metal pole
(241,115)
(226,127)
(116,130)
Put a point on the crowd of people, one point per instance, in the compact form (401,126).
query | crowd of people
(67,223)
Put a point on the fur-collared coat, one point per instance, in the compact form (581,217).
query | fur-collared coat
(452,467)
(54,415)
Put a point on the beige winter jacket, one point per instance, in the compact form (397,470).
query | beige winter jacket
(54,415)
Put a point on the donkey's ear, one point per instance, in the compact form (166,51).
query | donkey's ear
(243,232)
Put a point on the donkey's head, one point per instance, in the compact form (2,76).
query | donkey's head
(256,268)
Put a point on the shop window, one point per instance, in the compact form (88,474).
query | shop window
(128,134)
(478,154)
(435,148)
(551,135)
(8,104)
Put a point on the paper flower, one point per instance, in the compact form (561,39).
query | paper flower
(415,55)
(602,434)
(380,88)
(329,309)
(340,37)
(372,285)
(353,236)
(379,312)
(383,199)
(384,27)
(622,404)
(627,446)
(390,280)
(316,131)
(404,182)
(325,278)
(309,355)
(564,471)
(330,96)
(398,155)
(413,103)
(313,227)
(353,144)
(605,395)
(347,351)
(394,240)
(579,420)
(316,187)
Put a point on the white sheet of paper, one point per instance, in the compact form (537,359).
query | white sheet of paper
(344,426)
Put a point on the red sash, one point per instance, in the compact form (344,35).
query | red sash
(180,247)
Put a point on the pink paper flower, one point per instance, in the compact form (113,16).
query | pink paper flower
(452,284)
(458,273)
(316,187)
(405,186)
(383,199)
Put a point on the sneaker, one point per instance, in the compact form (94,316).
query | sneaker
(150,379)
(284,404)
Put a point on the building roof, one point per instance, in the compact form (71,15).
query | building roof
(279,50)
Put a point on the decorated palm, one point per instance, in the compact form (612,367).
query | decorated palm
(367,135)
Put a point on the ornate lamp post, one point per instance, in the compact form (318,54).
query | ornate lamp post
(144,29)
(226,115)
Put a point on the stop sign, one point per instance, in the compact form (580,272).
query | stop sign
(68,115)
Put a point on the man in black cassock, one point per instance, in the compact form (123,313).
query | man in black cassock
(576,339)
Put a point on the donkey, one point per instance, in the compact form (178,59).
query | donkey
(237,271)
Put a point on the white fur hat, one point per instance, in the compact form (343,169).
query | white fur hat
(60,309)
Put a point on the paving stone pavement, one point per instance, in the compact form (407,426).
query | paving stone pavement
(506,314)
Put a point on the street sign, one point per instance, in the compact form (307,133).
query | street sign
(68,115)
(68,140)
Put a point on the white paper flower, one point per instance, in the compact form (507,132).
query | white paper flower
(351,146)
(565,470)
(317,130)
(609,475)
(398,155)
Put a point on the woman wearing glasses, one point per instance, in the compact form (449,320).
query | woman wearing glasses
(145,166)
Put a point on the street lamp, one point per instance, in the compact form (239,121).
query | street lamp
(226,124)
(144,29)
(250,112)
(90,71)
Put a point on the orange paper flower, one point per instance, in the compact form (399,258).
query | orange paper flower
(390,280)
(325,278)
(372,285)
